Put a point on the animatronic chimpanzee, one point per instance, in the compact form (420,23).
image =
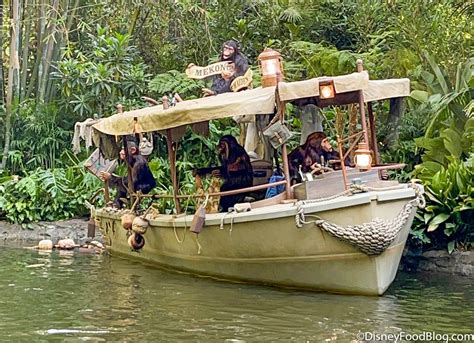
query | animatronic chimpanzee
(316,149)
(235,169)
(142,178)
(231,53)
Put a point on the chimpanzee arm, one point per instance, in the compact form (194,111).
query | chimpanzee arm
(209,170)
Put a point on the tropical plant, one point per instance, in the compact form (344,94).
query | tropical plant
(446,168)
(46,194)
(92,80)
(34,121)
(174,81)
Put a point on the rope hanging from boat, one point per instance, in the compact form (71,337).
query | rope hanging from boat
(371,238)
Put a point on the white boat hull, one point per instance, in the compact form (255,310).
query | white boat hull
(265,246)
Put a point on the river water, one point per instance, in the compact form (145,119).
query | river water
(77,297)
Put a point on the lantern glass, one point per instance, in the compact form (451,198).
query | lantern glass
(363,156)
(270,67)
(326,89)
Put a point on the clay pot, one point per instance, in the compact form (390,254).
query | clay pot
(140,225)
(136,241)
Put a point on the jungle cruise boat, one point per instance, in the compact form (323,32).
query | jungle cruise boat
(343,231)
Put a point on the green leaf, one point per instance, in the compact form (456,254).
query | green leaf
(452,142)
(451,246)
(440,218)
(419,95)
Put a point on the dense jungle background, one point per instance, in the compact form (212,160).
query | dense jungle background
(63,61)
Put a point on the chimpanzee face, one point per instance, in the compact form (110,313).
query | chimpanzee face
(132,151)
(227,52)
(325,145)
(122,154)
(223,148)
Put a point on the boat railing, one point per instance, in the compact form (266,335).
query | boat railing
(225,193)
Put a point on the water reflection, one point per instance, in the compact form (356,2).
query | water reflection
(89,297)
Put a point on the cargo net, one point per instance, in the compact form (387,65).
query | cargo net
(371,238)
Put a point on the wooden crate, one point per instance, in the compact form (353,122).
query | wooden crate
(332,183)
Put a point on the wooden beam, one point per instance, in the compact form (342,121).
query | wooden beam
(373,136)
(172,157)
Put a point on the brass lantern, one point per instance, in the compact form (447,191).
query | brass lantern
(326,88)
(271,67)
(363,156)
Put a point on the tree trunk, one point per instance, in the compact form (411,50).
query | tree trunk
(27,19)
(397,107)
(13,76)
(2,80)
(36,73)
(48,52)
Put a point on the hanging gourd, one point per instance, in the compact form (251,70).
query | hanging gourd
(136,241)
(127,220)
(140,225)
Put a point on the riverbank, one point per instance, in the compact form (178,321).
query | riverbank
(76,229)
(433,261)
(439,261)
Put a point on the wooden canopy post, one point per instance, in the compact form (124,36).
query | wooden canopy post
(129,168)
(281,105)
(373,136)
(360,68)
(172,157)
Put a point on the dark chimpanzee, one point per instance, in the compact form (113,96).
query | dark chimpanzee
(235,169)
(142,178)
(231,53)
(316,149)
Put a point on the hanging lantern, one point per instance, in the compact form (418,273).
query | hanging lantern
(271,67)
(326,89)
(363,156)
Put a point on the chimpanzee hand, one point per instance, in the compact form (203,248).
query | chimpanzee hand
(207,92)
(104,176)
(216,173)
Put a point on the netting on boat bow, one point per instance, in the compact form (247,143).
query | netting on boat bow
(375,236)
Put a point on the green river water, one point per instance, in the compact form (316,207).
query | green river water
(49,297)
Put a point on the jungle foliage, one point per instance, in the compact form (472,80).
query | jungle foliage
(64,61)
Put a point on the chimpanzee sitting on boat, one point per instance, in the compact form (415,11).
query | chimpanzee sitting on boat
(235,169)
(316,150)
(142,178)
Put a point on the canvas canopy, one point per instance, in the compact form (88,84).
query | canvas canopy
(310,88)
(373,89)
(250,102)
(386,89)
(155,118)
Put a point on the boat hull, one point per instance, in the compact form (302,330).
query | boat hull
(265,245)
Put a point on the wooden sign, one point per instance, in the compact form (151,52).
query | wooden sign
(244,81)
(96,163)
(196,72)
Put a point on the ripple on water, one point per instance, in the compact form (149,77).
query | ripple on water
(99,298)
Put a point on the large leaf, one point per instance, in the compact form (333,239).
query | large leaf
(452,142)
(419,95)
(440,78)
(440,218)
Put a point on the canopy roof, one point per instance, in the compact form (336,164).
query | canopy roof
(155,118)
(373,89)
(254,101)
